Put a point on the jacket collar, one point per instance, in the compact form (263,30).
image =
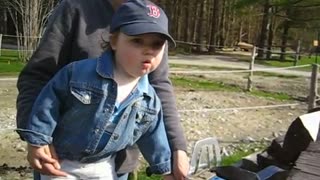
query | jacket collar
(105,66)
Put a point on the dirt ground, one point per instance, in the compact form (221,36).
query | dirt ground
(225,117)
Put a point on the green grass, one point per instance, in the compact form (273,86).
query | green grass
(201,84)
(288,62)
(203,67)
(270,74)
(274,95)
(236,157)
(9,63)
(11,68)
(142,176)
(9,55)
(213,68)
(243,150)
(195,83)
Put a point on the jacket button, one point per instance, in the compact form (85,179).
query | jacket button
(86,97)
(135,132)
(116,136)
(96,131)
(125,116)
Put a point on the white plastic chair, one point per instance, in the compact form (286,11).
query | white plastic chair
(213,157)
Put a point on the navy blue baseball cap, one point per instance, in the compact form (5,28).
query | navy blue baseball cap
(136,17)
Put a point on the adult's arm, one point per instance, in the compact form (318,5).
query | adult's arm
(159,79)
(45,113)
(51,54)
(41,124)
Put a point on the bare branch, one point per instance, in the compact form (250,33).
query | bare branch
(28,18)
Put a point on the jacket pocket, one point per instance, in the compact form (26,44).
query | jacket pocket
(86,94)
(143,119)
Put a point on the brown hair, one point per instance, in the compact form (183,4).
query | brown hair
(106,44)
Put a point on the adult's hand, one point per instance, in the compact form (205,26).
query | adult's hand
(168,177)
(180,165)
(44,160)
(50,170)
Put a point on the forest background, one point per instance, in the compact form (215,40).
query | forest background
(199,26)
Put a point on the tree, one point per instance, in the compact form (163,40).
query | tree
(29,17)
(214,25)
(295,16)
(3,18)
(264,28)
(265,23)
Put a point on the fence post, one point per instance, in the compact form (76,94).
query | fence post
(251,67)
(296,57)
(0,43)
(313,94)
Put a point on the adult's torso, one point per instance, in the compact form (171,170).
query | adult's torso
(90,27)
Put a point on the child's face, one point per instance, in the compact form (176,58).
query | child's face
(137,55)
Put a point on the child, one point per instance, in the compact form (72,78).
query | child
(93,108)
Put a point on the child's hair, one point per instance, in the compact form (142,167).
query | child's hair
(105,45)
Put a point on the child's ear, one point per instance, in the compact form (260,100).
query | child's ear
(113,41)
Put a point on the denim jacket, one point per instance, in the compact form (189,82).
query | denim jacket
(74,110)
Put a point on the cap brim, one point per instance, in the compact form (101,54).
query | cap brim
(141,28)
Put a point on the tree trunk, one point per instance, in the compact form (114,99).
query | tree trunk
(249,30)
(209,21)
(181,26)
(201,30)
(240,31)
(186,36)
(270,37)
(264,29)
(169,12)
(222,25)
(285,33)
(4,22)
(174,18)
(270,40)
(29,18)
(214,25)
(284,40)
(195,21)
(230,28)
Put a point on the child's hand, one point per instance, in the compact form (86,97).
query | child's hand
(44,159)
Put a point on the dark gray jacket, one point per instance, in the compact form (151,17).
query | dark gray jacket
(76,30)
